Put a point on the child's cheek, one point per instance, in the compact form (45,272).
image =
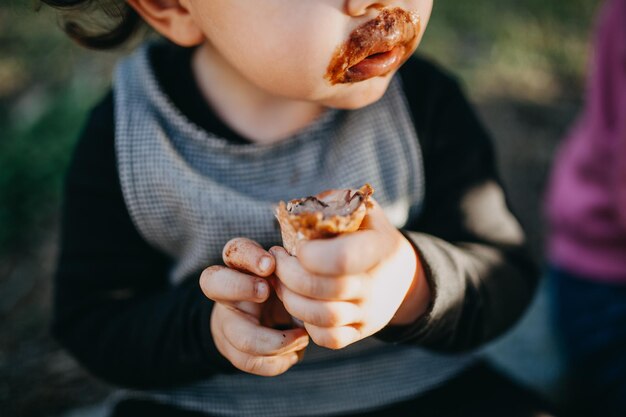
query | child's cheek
(299,61)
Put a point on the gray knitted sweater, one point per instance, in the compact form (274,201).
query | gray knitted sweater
(189,192)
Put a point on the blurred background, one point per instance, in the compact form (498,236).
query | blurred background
(522,64)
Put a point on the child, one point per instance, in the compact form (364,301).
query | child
(174,180)
(587,213)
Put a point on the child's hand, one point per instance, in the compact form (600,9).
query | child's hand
(245,312)
(349,287)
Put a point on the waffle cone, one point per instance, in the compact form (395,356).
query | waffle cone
(319,224)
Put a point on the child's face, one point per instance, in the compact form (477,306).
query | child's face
(315,50)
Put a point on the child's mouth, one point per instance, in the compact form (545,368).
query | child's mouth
(376,65)
(375,48)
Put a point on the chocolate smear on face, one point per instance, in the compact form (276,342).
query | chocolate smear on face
(390,29)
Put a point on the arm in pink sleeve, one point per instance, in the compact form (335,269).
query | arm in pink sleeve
(606,97)
(619,25)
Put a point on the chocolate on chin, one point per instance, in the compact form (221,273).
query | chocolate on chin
(327,214)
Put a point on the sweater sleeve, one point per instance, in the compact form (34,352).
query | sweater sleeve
(471,246)
(114,309)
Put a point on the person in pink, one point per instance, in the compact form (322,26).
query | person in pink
(586,208)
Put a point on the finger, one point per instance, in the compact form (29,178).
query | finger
(334,337)
(319,313)
(296,278)
(376,219)
(259,365)
(248,256)
(248,336)
(221,284)
(347,254)
(253,310)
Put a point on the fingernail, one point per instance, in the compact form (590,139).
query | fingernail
(260,289)
(265,263)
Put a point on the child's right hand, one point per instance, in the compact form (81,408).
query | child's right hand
(245,311)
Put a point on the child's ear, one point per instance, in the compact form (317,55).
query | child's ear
(171,19)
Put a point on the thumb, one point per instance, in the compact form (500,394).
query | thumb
(376,219)
(253,309)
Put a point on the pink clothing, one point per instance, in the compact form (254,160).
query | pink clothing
(587,194)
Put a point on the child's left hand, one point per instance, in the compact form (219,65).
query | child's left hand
(349,287)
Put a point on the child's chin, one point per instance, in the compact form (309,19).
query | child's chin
(357,95)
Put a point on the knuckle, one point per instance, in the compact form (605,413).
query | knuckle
(344,293)
(241,288)
(315,317)
(308,285)
(342,289)
(330,317)
(337,344)
(335,338)
(330,341)
(343,260)
(246,344)
(352,287)
(312,317)
(254,365)
(318,338)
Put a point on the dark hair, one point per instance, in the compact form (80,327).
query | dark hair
(113,21)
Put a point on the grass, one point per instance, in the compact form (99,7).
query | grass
(34,156)
(533,50)
(47,86)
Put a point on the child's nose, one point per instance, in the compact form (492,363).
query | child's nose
(360,7)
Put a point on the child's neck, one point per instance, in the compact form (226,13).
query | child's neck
(250,111)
